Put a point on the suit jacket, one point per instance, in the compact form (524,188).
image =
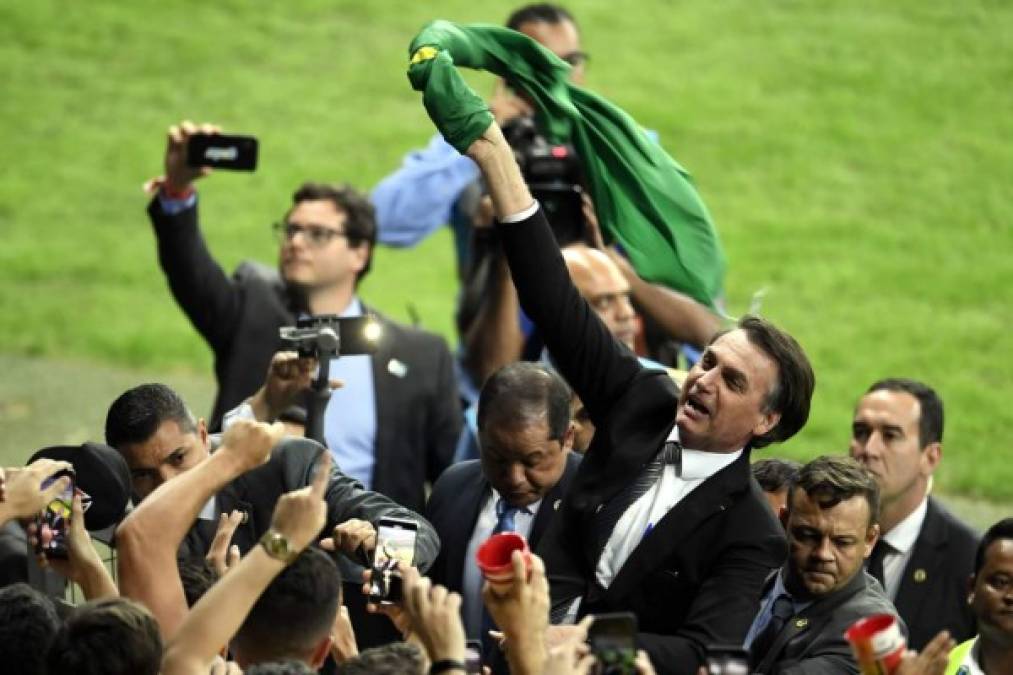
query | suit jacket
(812,642)
(696,578)
(453,510)
(932,595)
(418,414)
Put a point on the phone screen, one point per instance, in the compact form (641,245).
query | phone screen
(612,638)
(223,151)
(395,545)
(56,517)
(727,660)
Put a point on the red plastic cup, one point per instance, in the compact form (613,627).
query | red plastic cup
(495,553)
(877,643)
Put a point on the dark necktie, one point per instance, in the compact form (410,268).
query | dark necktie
(875,566)
(779,615)
(506,515)
(613,510)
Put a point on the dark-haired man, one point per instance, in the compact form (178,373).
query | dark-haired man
(114,636)
(663,518)
(823,588)
(183,488)
(924,555)
(395,423)
(991,600)
(775,476)
(525,438)
(28,624)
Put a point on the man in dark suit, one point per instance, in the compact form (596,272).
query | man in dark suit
(526,465)
(823,588)
(182,490)
(925,555)
(684,539)
(395,424)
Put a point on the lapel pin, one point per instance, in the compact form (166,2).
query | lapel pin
(920,575)
(801,623)
(555,504)
(397,368)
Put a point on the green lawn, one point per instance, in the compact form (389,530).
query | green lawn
(855,156)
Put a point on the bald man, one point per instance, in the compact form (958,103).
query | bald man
(605,288)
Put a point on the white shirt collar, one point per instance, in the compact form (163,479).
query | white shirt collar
(531,509)
(354,308)
(905,533)
(697,464)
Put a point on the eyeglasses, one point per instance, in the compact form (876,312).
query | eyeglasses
(576,59)
(315,235)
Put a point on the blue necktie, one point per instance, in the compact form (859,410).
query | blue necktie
(506,515)
(780,612)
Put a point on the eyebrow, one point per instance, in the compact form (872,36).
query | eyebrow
(149,469)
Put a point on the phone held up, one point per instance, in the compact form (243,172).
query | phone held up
(56,517)
(612,638)
(726,660)
(222,151)
(395,547)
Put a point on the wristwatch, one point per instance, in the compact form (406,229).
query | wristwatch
(277,547)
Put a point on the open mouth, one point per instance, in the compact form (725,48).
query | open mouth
(694,404)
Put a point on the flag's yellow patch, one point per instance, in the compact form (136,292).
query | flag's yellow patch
(424,54)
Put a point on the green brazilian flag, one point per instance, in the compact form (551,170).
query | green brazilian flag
(643,198)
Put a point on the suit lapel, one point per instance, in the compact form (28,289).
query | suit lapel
(472,495)
(228,500)
(924,559)
(383,400)
(552,501)
(713,496)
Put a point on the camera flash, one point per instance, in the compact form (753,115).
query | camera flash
(372,331)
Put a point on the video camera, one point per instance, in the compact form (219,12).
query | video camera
(329,335)
(552,173)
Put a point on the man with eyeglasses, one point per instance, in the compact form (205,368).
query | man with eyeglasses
(395,422)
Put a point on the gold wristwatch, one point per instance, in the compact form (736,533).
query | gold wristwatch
(277,547)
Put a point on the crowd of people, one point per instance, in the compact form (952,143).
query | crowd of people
(620,426)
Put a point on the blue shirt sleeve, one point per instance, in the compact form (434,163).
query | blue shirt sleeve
(173,206)
(415,200)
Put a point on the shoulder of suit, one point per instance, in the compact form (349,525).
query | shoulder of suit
(403,332)
(455,473)
(955,530)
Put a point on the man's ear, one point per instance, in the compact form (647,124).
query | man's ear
(320,652)
(202,432)
(871,537)
(932,454)
(767,422)
(568,436)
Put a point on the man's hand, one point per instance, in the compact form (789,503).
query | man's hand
(221,556)
(436,616)
(83,565)
(396,613)
(349,536)
(301,514)
(23,493)
(572,656)
(343,645)
(288,377)
(521,610)
(249,443)
(932,660)
(178,174)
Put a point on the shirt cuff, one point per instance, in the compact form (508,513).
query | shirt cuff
(523,215)
(243,411)
(173,206)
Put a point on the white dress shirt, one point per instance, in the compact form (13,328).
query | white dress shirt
(471,580)
(641,517)
(902,540)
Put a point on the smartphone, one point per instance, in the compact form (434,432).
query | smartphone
(56,516)
(395,546)
(726,660)
(612,638)
(473,657)
(222,151)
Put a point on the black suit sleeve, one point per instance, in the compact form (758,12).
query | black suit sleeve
(723,608)
(596,365)
(208,297)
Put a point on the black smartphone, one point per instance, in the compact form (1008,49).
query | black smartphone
(726,660)
(56,517)
(222,151)
(395,546)
(473,657)
(612,638)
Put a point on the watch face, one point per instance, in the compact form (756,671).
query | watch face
(276,545)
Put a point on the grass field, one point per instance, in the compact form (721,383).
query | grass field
(855,157)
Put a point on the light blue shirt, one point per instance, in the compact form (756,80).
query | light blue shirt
(414,201)
(350,418)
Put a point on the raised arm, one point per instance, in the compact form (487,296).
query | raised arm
(218,615)
(147,540)
(208,297)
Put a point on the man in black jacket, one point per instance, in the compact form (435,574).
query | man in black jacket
(396,423)
(925,555)
(690,553)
